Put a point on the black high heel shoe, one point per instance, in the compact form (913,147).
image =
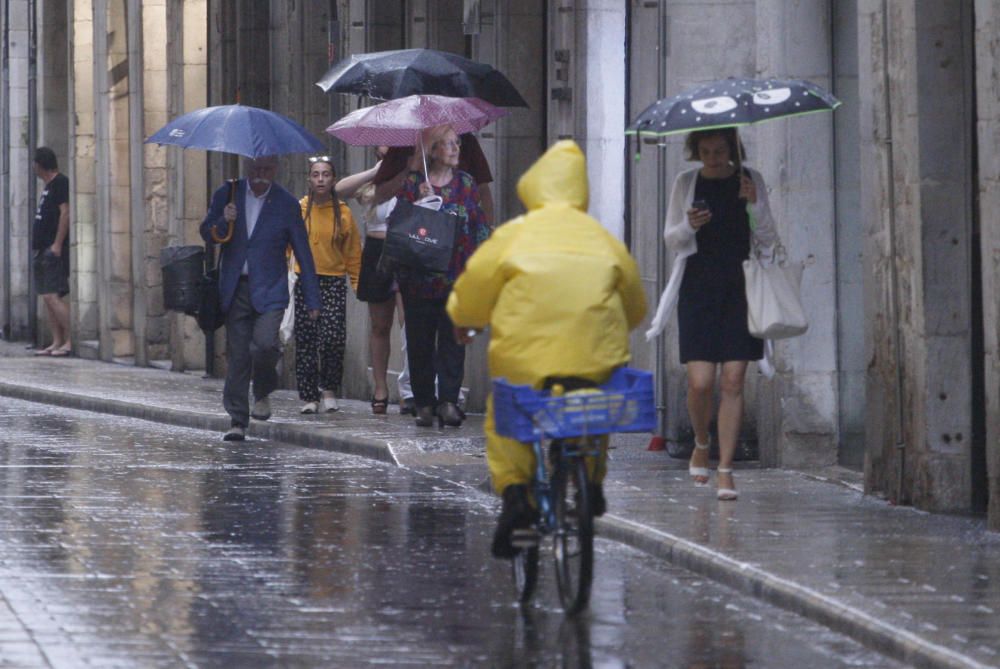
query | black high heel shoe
(425,416)
(449,414)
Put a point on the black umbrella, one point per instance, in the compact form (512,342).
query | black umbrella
(388,75)
(729,103)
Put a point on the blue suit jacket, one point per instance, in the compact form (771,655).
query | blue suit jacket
(279,224)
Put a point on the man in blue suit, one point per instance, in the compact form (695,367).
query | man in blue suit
(253,283)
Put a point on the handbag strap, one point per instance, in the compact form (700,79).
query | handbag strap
(779,255)
(433,202)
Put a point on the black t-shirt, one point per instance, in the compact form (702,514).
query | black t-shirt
(47,215)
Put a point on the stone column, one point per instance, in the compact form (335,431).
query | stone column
(101,169)
(512,40)
(174,176)
(116,308)
(52,106)
(158,33)
(916,170)
(849,265)
(798,409)
(53,89)
(603,140)
(20,211)
(83,184)
(417,36)
(146,282)
(151,203)
(987,30)
(189,86)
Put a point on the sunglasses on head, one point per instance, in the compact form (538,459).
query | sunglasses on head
(320,159)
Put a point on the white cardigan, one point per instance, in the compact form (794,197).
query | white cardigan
(679,236)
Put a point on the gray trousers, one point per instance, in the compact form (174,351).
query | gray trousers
(252,351)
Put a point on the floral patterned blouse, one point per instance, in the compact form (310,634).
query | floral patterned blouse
(460,198)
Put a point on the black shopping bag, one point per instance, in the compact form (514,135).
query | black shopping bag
(210,315)
(418,239)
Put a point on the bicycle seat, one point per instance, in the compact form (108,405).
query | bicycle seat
(569,383)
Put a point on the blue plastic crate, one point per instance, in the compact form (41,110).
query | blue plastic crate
(624,404)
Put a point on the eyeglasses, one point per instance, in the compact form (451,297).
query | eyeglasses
(320,159)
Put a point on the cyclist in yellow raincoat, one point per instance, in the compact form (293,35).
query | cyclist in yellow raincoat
(561,295)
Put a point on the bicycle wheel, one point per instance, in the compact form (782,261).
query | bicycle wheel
(524,567)
(574,534)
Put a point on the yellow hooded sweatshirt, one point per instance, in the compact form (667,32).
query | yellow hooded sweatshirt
(559,292)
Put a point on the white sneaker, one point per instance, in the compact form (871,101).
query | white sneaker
(235,433)
(309,407)
(329,404)
(261,409)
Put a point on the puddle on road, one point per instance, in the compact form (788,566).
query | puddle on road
(157,545)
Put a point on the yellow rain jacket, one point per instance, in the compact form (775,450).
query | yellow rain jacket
(559,293)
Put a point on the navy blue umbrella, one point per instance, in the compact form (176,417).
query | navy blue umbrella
(247,131)
(729,103)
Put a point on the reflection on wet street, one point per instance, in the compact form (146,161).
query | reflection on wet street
(126,543)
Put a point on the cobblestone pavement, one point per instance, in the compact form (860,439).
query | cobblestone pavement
(924,588)
(127,543)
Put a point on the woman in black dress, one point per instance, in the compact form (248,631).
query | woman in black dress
(716,213)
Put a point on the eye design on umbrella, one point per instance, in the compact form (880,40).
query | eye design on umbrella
(772,96)
(716,105)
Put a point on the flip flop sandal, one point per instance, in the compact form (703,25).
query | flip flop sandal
(380,406)
(59,353)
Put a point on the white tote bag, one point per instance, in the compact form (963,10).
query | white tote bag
(774,309)
(287,328)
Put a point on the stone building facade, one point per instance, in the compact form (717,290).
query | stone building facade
(887,200)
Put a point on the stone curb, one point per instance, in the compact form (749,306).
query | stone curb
(283,432)
(887,639)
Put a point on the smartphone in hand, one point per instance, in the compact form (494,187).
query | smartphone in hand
(700,204)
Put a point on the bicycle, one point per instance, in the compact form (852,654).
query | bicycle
(572,422)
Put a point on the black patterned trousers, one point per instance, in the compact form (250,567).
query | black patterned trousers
(319,344)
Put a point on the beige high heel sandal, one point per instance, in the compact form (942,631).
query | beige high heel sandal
(696,472)
(726,494)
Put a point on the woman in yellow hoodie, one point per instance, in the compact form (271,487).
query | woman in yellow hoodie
(336,249)
(560,295)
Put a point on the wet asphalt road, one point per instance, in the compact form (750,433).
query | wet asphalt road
(127,543)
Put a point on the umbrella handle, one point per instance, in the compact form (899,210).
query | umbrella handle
(423,154)
(222,240)
(739,156)
(229,232)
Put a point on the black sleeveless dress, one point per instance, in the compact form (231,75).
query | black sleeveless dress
(712,305)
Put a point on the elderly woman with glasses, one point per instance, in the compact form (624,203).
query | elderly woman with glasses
(431,345)
(336,249)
